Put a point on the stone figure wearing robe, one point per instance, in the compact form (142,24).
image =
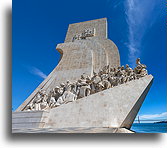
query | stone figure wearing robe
(84,87)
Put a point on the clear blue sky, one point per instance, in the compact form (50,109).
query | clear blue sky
(137,27)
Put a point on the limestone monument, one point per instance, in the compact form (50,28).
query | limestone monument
(88,91)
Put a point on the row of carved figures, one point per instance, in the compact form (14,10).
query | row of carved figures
(106,78)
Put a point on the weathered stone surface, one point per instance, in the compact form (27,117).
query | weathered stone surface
(80,56)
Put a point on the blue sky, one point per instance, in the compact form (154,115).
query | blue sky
(137,27)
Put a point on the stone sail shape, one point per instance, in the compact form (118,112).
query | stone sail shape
(80,54)
(114,108)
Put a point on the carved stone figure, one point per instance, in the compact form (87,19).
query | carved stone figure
(38,100)
(67,96)
(111,79)
(105,82)
(52,102)
(30,107)
(74,89)
(143,72)
(68,86)
(128,69)
(44,105)
(70,97)
(62,88)
(59,101)
(58,93)
(99,87)
(140,69)
(84,87)
(38,97)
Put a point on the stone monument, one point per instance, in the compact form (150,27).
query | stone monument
(88,91)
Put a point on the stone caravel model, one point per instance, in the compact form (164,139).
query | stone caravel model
(104,97)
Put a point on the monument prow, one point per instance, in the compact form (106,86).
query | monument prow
(116,107)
